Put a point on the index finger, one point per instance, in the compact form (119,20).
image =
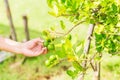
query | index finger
(38,40)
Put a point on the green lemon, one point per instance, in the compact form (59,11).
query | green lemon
(53,57)
(47,63)
(48,40)
(46,43)
(45,33)
(51,47)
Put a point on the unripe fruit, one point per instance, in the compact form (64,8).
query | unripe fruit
(49,40)
(53,57)
(45,33)
(47,63)
(51,47)
(46,43)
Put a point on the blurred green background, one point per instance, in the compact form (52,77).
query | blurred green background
(34,68)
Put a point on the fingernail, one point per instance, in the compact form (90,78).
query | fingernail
(45,50)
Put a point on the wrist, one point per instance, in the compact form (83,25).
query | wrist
(13,46)
(18,48)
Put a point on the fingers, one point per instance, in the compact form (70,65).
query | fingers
(35,52)
(37,47)
(27,52)
(34,47)
(38,40)
(38,52)
(45,50)
(35,42)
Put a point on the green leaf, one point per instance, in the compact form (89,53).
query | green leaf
(52,13)
(60,53)
(52,28)
(68,3)
(62,25)
(119,8)
(49,2)
(63,1)
(99,41)
(92,21)
(114,8)
(74,5)
(71,73)
(99,48)
(79,49)
(77,66)
(55,10)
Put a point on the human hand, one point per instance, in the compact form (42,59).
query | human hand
(33,48)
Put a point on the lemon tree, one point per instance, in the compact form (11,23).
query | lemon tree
(104,34)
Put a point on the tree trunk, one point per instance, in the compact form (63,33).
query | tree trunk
(87,47)
(95,75)
(13,33)
(99,67)
(80,77)
(26,30)
(97,72)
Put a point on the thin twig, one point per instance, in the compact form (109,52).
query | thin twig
(91,60)
(63,34)
(55,32)
(73,27)
(94,55)
(68,14)
(92,66)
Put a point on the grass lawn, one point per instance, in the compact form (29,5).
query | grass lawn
(34,68)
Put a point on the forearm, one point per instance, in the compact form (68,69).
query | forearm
(9,45)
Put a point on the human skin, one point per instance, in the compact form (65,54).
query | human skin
(30,48)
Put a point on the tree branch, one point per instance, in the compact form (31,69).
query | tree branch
(68,14)
(90,61)
(99,67)
(92,66)
(55,32)
(73,27)
(90,32)
(70,30)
